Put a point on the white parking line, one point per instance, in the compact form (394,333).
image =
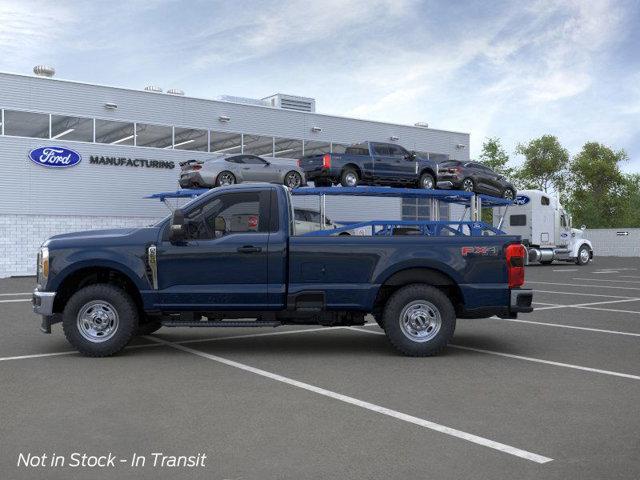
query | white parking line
(583,294)
(604,280)
(578,285)
(155,344)
(485,442)
(565,270)
(14,300)
(520,357)
(588,305)
(14,294)
(608,309)
(573,327)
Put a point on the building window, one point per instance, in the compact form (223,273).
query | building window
(226,143)
(190,139)
(338,147)
(72,128)
(114,133)
(287,148)
(258,145)
(157,136)
(316,148)
(26,124)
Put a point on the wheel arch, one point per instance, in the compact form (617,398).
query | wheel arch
(76,278)
(354,167)
(421,274)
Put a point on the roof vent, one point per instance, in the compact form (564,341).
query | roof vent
(422,124)
(44,71)
(153,88)
(175,91)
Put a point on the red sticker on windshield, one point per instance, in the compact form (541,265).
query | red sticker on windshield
(253,222)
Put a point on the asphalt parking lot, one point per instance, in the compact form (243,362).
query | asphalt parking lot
(554,394)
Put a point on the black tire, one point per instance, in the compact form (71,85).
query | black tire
(436,304)
(222,175)
(509,194)
(296,183)
(345,177)
(468,185)
(322,182)
(579,260)
(427,178)
(111,296)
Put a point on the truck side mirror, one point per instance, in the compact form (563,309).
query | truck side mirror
(583,227)
(176,229)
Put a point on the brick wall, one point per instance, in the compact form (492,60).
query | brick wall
(22,235)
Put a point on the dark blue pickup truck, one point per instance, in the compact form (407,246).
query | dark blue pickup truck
(371,163)
(231,258)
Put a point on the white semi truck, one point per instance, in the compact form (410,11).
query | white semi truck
(545,228)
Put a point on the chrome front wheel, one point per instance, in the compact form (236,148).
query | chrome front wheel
(98,321)
(467,185)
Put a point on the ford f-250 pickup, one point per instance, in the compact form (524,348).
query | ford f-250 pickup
(371,163)
(230,258)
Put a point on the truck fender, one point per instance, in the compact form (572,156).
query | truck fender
(440,271)
(578,244)
(138,278)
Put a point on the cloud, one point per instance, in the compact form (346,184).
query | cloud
(31,29)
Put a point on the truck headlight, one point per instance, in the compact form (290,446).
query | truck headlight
(43,263)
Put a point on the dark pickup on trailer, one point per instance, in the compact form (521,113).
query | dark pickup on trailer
(230,258)
(371,163)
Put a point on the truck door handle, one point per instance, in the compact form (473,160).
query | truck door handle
(249,249)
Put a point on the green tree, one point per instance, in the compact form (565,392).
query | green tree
(631,199)
(545,164)
(495,157)
(599,191)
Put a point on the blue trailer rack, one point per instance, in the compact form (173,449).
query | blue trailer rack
(472,202)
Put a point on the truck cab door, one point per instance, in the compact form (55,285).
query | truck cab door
(223,262)
(564,230)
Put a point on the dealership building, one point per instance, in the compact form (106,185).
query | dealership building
(130,143)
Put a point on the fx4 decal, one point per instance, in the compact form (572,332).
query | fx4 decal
(493,251)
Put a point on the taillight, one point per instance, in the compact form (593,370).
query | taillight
(326,161)
(515,264)
(299,163)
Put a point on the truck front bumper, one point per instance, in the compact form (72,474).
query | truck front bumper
(42,303)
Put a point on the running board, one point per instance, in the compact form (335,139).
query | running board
(218,324)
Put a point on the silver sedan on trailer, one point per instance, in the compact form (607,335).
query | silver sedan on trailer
(238,168)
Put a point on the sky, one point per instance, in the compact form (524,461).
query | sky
(513,70)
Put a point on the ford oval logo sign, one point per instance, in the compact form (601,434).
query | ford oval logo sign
(521,200)
(56,157)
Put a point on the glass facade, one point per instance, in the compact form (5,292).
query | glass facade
(117,132)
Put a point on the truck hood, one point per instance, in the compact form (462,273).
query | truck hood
(113,236)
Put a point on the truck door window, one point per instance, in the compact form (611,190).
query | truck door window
(381,150)
(563,221)
(544,200)
(396,151)
(225,215)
